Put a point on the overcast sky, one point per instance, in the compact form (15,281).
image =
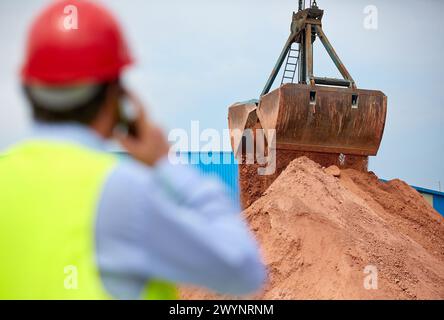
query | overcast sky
(197,57)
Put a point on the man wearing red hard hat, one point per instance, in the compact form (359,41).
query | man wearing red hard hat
(78,223)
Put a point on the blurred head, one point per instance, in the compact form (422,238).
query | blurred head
(95,105)
(75,56)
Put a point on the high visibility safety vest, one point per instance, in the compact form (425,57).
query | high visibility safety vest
(49,193)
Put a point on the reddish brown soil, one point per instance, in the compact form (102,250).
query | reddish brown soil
(252,185)
(318,233)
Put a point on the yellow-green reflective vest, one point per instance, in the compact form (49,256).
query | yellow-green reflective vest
(49,193)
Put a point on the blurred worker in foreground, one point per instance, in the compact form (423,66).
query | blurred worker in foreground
(75,222)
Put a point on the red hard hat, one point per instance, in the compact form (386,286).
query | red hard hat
(64,51)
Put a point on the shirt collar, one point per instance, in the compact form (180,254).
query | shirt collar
(68,132)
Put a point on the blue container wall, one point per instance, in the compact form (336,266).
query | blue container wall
(438,203)
(221,165)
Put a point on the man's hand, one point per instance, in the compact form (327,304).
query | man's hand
(150,143)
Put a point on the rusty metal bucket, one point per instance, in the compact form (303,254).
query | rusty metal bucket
(324,119)
(241,116)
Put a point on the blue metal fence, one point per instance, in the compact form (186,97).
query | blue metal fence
(438,198)
(221,165)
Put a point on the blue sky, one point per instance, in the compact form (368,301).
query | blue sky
(197,57)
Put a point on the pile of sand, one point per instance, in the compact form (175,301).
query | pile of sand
(319,232)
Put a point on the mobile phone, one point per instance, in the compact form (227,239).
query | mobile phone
(127,116)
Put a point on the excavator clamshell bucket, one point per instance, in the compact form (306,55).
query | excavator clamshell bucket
(241,116)
(325,119)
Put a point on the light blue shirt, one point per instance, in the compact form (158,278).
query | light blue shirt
(166,222)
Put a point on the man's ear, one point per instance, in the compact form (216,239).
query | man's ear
(110,110)
(108,115)
(113,93)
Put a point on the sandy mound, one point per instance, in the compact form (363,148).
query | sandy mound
(318,233)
